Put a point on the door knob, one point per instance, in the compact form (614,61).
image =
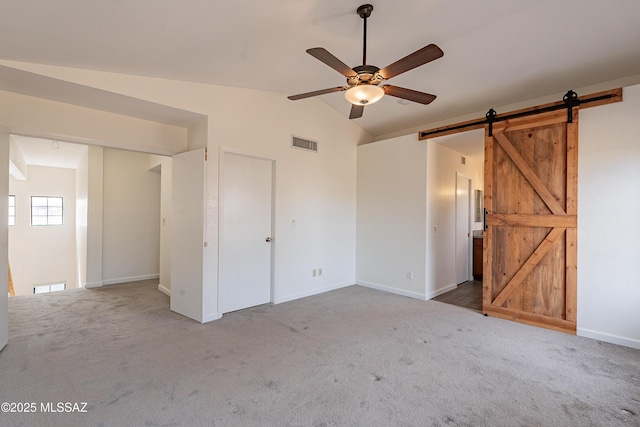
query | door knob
(268,239)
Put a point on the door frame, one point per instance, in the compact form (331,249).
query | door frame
(261,156)
(469,228)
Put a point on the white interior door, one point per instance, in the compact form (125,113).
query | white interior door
(245,250)
(463,229)
(188,233)
(4,237)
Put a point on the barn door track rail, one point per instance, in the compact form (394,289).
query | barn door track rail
(569,101)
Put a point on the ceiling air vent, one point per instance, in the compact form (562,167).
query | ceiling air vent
(305,144)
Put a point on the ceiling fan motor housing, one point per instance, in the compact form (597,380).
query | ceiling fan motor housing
(365,74)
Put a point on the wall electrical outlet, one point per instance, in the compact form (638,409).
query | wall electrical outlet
(313,272)
(409,274)
(319,272)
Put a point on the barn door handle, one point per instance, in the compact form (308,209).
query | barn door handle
(268,239)
(485,219)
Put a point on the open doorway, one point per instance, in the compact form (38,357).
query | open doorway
(86,216)
(461,158)
(463,229)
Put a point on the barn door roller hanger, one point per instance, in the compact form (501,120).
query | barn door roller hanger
(570,100)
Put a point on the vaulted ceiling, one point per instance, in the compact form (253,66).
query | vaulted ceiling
(497,52)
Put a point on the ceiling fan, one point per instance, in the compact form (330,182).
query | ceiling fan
(364,80)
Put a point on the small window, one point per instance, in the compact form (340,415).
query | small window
(51,287)
(46,210)
(12,210)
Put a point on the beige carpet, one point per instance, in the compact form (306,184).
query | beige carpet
(351,357)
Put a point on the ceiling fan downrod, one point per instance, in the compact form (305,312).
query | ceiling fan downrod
(364,12)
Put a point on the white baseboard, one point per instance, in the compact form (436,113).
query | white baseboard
(441,291)
(211,317)
(312,292)
(164,290)
(610,338)
(130,279)
(93,285)
(392,290)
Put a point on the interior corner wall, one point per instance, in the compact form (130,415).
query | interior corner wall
(131,218)
(41,255)
(608,226)
(391,216)
(442,166)
(406,215)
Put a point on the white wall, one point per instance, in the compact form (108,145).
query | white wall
(38,117)
(608,225)
(43,254)
(406,215)
(131,218)
(318,192)
(442,166)
(391,201)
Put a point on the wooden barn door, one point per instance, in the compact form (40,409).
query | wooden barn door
(530,257)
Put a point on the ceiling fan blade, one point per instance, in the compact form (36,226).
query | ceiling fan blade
(317,92)
(409,62)
(408,94)
(356,111)
(323,55)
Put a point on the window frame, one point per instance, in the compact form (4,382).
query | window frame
(48,215)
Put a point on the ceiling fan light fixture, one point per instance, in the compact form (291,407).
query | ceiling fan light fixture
(364,94)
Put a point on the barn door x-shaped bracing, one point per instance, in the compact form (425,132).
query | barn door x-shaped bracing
(530,249)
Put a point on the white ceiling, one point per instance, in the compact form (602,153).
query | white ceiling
(47,152)
(497,52)
(470,143)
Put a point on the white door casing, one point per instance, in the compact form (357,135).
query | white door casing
(188,233)
(245,231)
